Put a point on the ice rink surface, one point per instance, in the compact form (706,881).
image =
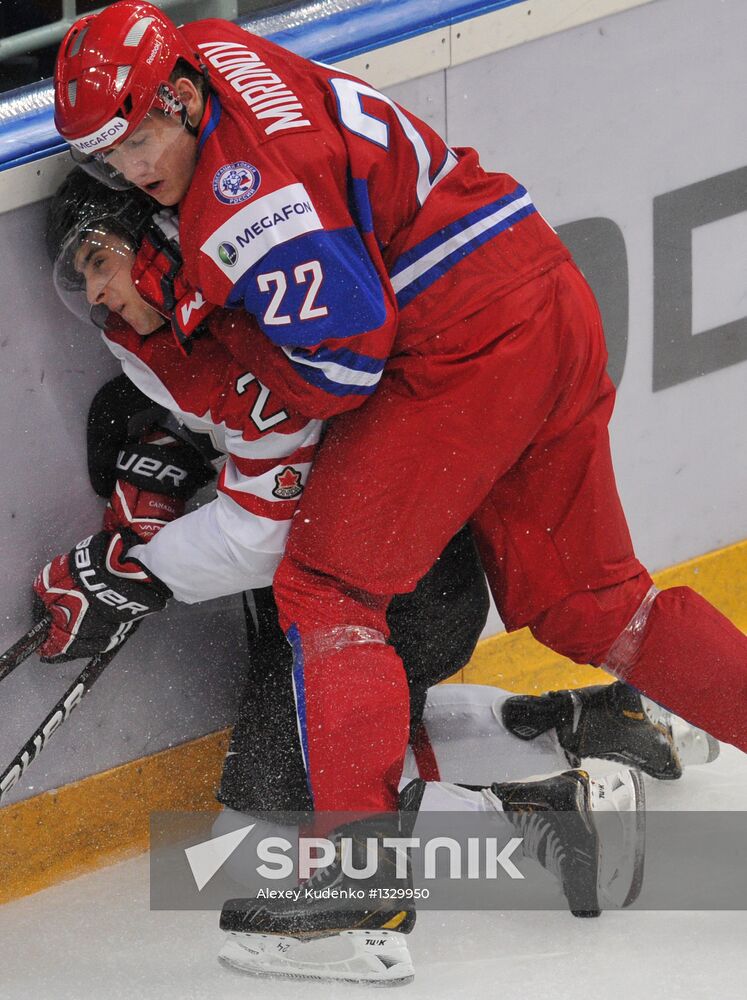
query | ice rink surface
(95,938)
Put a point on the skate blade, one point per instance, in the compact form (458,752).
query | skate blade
(693,746)
(376,958)
(620,817)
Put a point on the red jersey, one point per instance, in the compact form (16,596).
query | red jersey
(241,536)
(342,222)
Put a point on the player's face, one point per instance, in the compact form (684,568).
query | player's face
(159,158)
(105,263)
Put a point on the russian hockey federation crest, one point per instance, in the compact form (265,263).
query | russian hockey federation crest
(288,484)
(235,183)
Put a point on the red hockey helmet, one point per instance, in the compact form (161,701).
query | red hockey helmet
(111,71)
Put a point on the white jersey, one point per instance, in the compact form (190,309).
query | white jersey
(235,542)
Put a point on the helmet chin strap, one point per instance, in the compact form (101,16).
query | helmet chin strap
(192,129)
(205,93)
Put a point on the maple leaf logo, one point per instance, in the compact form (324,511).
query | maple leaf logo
(288,484)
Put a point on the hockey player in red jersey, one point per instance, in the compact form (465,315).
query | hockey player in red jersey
(92,235)
(390,270)
(134,442)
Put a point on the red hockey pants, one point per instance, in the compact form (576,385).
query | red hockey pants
(503,425)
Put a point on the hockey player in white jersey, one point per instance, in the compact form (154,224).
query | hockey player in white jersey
(203,574)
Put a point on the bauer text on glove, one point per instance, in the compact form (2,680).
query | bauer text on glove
(94,594)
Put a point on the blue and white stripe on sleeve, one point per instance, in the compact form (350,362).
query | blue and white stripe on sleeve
(422,265)
(340,372)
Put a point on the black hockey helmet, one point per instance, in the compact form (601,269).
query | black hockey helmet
(83,204)
(86,215)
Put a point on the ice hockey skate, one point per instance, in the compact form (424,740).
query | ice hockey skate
(588,832)
(314,937)
(613,722)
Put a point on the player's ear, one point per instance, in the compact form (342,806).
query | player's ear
(191,97)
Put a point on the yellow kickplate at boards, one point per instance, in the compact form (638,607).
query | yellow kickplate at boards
(103,818)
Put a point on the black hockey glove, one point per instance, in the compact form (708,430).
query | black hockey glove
(142,460)
(155,477)
(94,595)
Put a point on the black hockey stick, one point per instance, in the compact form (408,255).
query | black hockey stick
(59,714)
(25,646)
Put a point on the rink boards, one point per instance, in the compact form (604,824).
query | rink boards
(625,130)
